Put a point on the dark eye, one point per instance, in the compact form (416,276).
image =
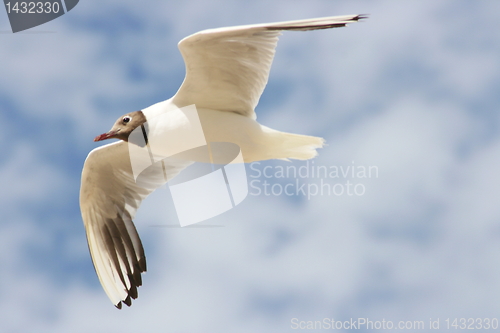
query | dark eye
(126,119)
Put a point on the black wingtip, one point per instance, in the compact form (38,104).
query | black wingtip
(133,292)
(361,17)
(128,301)
(142,264)
(319,26)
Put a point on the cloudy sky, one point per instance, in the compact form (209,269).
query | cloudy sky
(412,92)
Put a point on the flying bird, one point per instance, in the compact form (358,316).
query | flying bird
(226,72)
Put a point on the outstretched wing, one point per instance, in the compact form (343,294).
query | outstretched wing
(109,199)
(227,68)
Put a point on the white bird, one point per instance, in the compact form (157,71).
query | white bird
(226,72)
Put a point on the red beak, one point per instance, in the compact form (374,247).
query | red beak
(109,135)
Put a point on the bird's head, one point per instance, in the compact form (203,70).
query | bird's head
(123,126)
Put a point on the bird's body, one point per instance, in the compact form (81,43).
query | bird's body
(226,71)
(257,142)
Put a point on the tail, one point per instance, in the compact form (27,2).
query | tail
(284,146)
(300,147)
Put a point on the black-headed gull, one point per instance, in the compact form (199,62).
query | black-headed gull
(226,72)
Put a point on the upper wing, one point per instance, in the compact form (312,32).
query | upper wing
(109,199)
(227,68)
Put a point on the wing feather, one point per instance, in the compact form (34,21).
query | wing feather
(227,68)
(109,199)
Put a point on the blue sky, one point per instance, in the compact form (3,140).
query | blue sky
(413,90)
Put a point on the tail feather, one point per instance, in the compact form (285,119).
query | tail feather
(293,146)
(301,147)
